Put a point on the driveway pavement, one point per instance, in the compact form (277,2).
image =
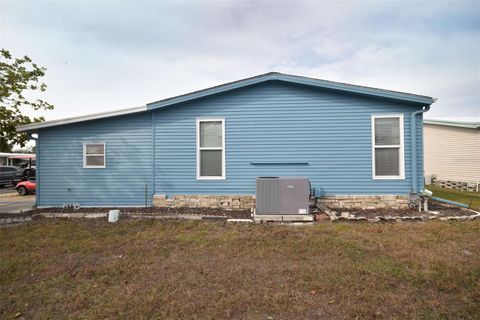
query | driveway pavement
(5,190)
(11,202)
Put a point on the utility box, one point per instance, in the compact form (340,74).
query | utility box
(283,199)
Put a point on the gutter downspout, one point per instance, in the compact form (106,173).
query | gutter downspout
(413,146)
(37,193)
(153,157)
(455,203)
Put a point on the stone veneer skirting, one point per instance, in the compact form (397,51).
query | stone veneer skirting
(364,202)
(205,201)
(248,201)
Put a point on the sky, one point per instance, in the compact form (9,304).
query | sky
(102,56)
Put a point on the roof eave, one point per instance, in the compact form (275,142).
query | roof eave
(458,124)
(33,127)
(331,85)
(345,87)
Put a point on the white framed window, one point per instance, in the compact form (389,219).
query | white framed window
(387,146)
(94,155)
(210,148)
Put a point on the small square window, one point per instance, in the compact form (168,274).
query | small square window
(94,155)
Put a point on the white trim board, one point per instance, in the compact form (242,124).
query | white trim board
(34,126)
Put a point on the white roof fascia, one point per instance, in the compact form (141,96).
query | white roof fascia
(35,126)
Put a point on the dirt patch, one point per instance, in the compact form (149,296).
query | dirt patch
(15,197)
(235,214)
(447,210)
(442,210)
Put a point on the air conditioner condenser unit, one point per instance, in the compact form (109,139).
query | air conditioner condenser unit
(283,199)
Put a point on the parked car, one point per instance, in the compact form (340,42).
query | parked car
(8,174)
(25,174)
(26,187)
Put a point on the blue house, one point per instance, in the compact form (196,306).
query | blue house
(206,148)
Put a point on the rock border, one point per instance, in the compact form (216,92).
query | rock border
(98,215)
(407,218)
(15,220)
(350,218)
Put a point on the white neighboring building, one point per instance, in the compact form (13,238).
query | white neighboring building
(452,150)
(13,159)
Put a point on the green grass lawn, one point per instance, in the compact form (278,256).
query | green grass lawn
(469,198)
(84,269)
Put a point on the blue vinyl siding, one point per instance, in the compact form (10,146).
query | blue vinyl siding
(62,178)
(264,123)
(279,122)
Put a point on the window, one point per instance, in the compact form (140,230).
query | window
(210,149)
(94,155)
(387,147)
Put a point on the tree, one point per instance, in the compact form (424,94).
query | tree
(18,77)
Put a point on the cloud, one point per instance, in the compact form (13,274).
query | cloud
(108,55)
